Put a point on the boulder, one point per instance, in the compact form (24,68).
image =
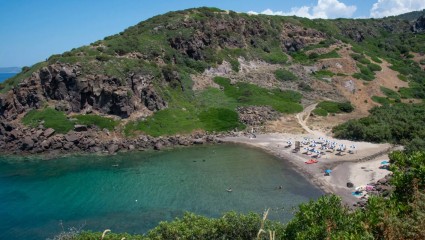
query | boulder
(71,137)
(350,185)
(158,146)
(112,148)
(45,144)
(80,128)
(68,145)
(27,143)
(198,141)
(49,132)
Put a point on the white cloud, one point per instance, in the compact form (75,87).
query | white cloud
(323,9)
(384,8)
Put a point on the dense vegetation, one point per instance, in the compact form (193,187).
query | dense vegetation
(51,118)
(326,107)
(214,109)
(399,123)
(155,49)
(284,75)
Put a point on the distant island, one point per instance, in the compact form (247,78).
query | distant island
(10,69)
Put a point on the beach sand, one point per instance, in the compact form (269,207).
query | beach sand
(360,168)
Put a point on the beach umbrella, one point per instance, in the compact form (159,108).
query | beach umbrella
(328,171)
(385,162)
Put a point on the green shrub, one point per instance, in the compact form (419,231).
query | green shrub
(51,118)
(251,95)
(313,55)
(300,57)
(395,123)
(103,58)
(96,120)
(235,65)
(326,218)
(406,92)
(276,57)
(332,54)
(360,58)
(323,74)
(305,87)
(374,67)
(381,100)
(165,122)
(220,119)
(320,112)
(376,59)
(402,77)
(285,75)
(390,93)
(335,107)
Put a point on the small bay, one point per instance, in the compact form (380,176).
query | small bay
(132,192)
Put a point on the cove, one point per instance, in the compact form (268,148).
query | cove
(133,192)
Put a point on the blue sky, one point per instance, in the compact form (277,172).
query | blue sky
(32,30)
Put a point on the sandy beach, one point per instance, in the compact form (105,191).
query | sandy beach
(359,167)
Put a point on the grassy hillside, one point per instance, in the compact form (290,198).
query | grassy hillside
(172,47)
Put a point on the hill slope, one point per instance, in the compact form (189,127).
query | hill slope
(206,70)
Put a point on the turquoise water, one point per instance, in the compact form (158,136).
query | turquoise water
(4,76)
(38,196)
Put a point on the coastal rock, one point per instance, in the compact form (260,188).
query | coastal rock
(198,141)
(45,144)
(158,146)
(113,148)
(27,143)
(49,132)
(80,128)
(73,93)
(68,145)
(71,137)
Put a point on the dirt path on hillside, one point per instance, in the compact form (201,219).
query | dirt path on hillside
(303,116)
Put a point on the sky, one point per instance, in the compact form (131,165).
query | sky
(33,30)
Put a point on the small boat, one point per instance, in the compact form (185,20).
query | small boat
(229,190)
(115,165)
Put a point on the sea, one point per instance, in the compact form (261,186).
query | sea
(132,192)
(4,76)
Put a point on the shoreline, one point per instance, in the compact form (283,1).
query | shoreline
(360,168)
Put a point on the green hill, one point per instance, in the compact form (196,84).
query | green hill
(194,70)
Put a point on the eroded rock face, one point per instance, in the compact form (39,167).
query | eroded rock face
(419,25)
(256,116)
(74,93)
(296,37)
(210,34)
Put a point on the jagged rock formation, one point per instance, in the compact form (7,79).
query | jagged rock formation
(256,116)
(419,25)
(63,83)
